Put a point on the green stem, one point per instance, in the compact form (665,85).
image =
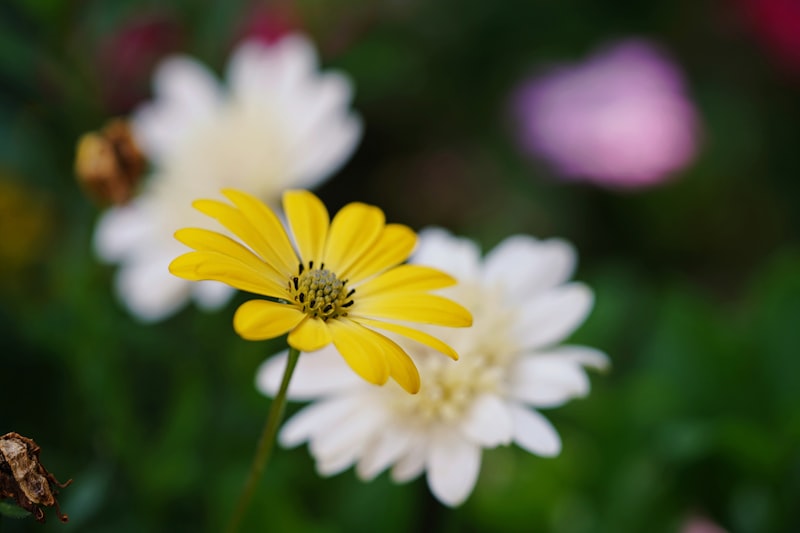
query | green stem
(265,443)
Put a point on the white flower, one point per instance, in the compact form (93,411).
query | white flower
(511,362)
(279,123)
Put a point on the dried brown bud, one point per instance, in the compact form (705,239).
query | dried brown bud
(108,163)
(24,479)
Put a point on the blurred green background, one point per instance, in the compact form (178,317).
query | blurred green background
(697,281)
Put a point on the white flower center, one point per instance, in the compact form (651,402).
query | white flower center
(450,387)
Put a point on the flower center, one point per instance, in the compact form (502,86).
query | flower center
(319,292)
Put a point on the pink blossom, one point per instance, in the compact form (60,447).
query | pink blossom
(698,524)
(620,119)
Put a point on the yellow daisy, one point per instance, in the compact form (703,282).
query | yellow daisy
(339,282)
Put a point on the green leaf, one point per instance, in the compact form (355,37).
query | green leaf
(12,510)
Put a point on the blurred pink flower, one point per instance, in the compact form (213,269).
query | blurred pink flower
(776,24)
(698,524)
(620,119)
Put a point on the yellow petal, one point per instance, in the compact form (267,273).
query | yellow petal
(310,335)
(257,236)
(267,223)
(413,307)
(401,367)
(360,351)
(309,221)
(413,334)
(405,278)
(214,266)
(211,241)
(261,319)
(353,230)
(392,247)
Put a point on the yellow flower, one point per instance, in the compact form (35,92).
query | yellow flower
(340,282)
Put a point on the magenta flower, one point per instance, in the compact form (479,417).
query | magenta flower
(776,24)
(620,119)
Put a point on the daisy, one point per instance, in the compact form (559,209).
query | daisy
(511,364)
(340,283)
(278,123)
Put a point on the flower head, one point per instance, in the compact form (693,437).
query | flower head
(278,124)
(620,119)
(511,361)
(339,282)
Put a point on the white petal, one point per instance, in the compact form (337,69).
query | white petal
(211,295)
(324,152)
(387,448)
(149,291)
(317,374)
(324,100)
(296,59)
(453,467)
(488,422)
(535,433)
(120,231)
(349,431)
(547,381)
(459,257)
(582,355)
(187,94)
(249,71)
(334,464)
(317,418)
(553,315)
(412,463)
(522,266)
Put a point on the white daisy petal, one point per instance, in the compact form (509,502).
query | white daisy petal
(547,381)
(453,467)
(457,256)
(534,433)
(316,418)
(148,290)
(553,315)
(487,422)
(349,430)
(412,463)
(326,104)
(188,95)
(333,145)
(211,295)
(317,374)
(121,231)
(386,449)
(334,464)
(522,266)
(582,355)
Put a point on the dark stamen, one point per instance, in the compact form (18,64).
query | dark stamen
(322,266)
(311,265)
(300,268)
(348,304)
(327,308)
(295,280)
(302,297)
(349,294)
